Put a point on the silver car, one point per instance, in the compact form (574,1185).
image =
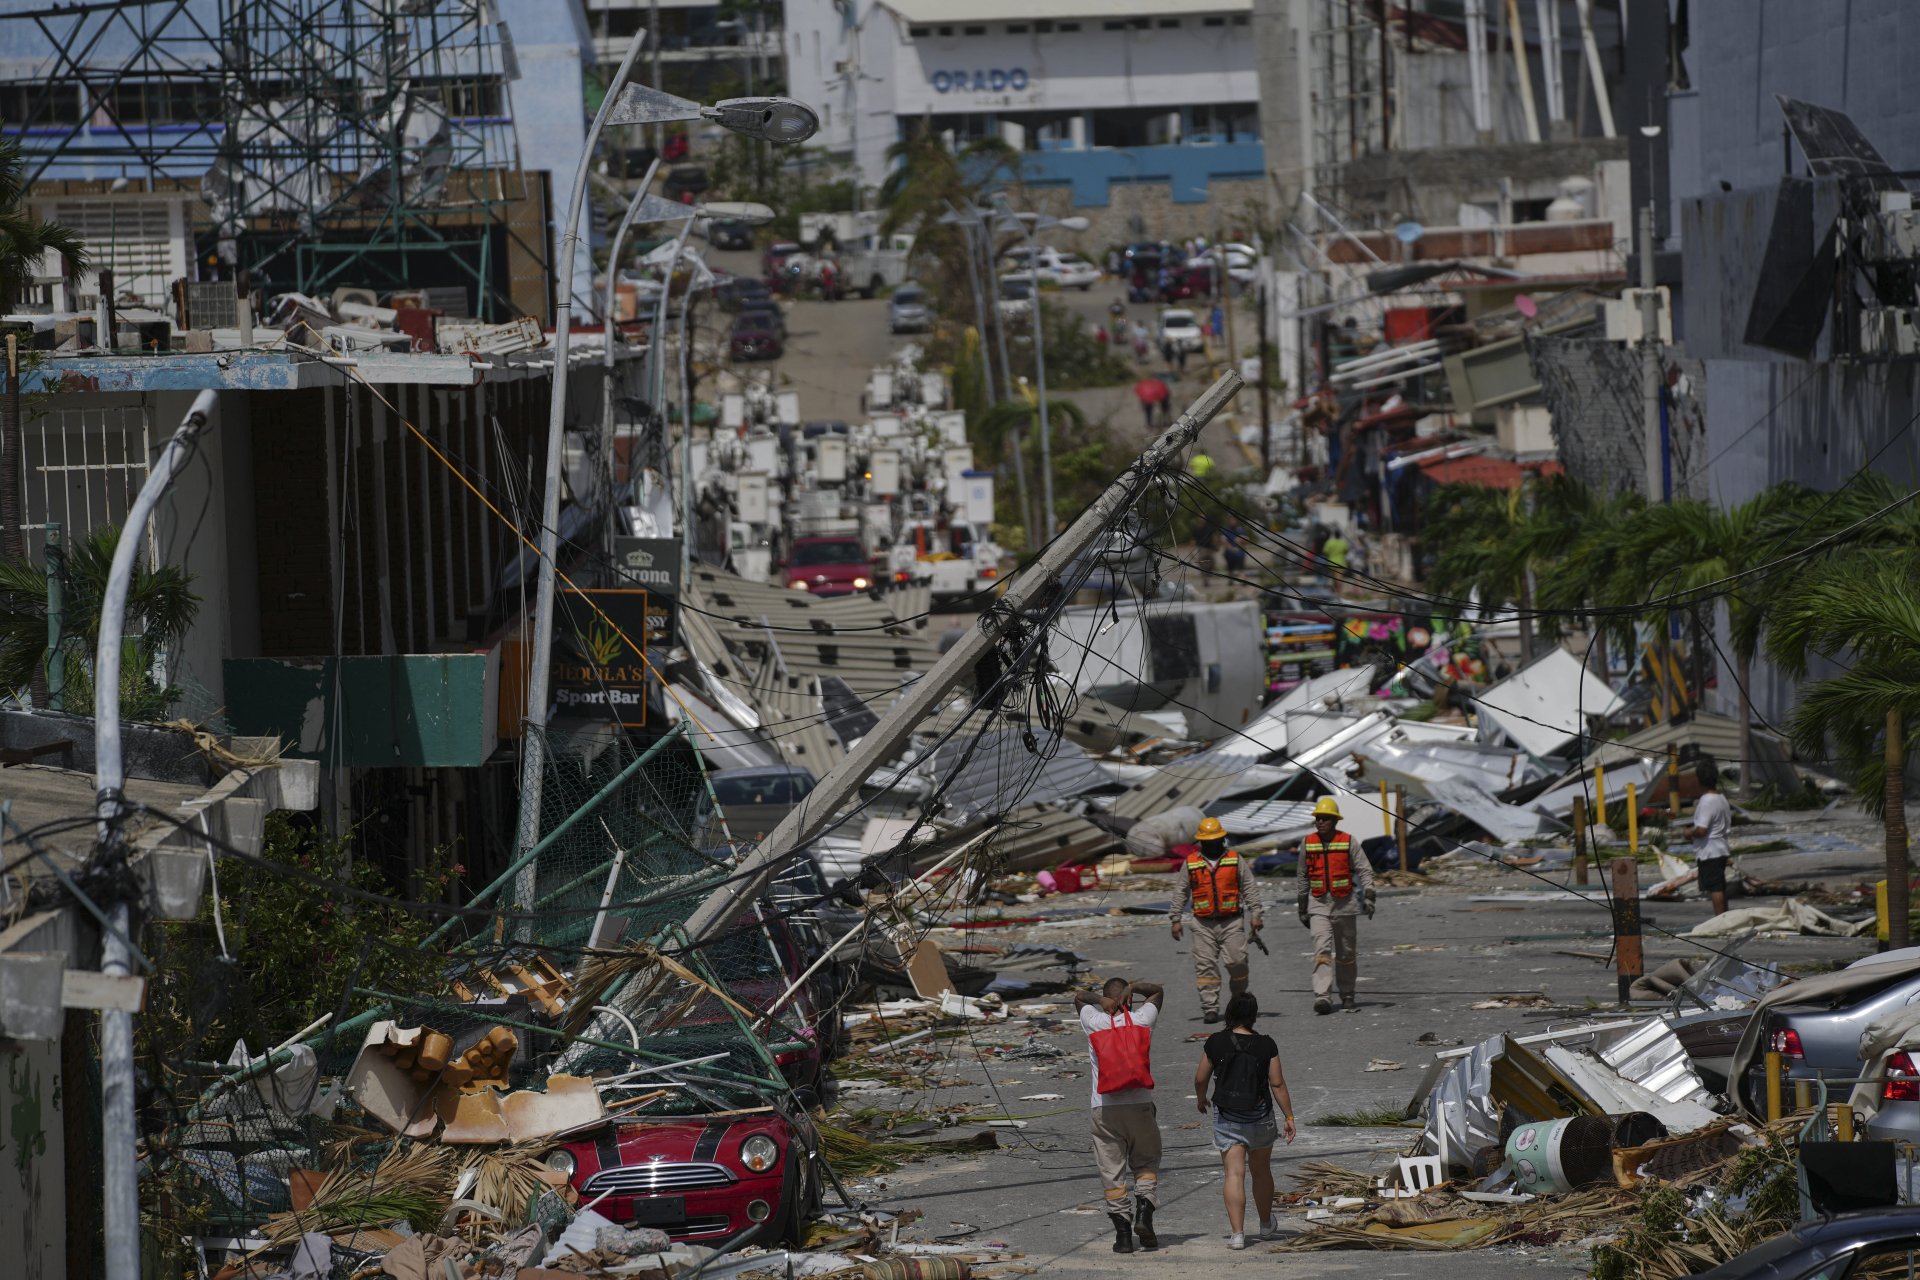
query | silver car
(909,310)
(1817,1040)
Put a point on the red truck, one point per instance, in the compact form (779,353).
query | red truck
(828,566)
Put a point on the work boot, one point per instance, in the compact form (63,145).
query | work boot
(1349,1005)
(1210,1016)
(1323,1005)
(1122,1233)
(1143,1224)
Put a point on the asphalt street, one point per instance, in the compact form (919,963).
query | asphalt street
(1428,957)
(831,346)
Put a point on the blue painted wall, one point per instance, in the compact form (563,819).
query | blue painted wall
(1187,169)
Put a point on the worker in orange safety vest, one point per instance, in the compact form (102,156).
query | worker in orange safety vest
(1336,885)
(1224,899)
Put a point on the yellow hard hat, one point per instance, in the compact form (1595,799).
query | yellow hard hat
(1210,829)
(1327,808)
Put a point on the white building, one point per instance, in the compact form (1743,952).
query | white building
(1094,93)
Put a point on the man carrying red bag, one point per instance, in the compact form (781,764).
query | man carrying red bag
(1126,1129)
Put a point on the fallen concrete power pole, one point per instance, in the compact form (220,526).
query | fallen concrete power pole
(884,742)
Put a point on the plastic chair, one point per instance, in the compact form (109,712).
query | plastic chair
(1421,1173)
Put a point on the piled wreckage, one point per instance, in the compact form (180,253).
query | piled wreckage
(1658,1143)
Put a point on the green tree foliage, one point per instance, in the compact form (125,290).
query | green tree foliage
(926,182)
(23,240)
(291,948)
(161,606)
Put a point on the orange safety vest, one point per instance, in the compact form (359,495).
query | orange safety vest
(1216,886)
(1329,865)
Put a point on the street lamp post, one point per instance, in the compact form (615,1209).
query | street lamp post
(1027,224)
(774,119)
(973,222)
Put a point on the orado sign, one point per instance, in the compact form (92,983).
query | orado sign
(991,80)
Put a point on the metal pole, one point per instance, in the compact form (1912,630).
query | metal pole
(607,320)
(533,755)
(1029,591)
(1049,515)
(657,371)
(1650,375)
(121,1216)
(56,608)
(1266,384)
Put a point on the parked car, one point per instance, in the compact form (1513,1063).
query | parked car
(753,337)
(686,183)
(755,800)
(1815,1040)
(699,1178)
(765,315)
(729,233)
(909,310)
(1180,328)
(1051,266)
(1866,1242)
(828,566)
(1016,297)
(1187,282)
(1239,260)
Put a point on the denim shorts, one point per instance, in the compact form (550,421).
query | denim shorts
(1228,1134)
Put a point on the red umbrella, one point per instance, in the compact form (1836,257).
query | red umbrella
(1151,390)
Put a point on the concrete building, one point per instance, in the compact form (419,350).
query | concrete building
(1820,407)
(359,599)
(1140,114)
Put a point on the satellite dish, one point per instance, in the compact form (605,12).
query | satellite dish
(1408,232)
(1526,306)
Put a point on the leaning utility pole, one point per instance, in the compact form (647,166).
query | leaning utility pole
(883,743)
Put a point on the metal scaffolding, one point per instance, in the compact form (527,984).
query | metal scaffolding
(365,142)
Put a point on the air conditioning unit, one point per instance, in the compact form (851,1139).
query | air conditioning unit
(1891,236)
(1888,333)
(1623,316)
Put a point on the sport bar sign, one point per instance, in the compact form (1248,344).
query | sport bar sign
(599,665)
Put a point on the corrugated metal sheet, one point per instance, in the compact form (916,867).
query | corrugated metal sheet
(1194,780)
(984,773)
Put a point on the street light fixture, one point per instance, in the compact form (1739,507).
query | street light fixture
(1028,223)
(771,119)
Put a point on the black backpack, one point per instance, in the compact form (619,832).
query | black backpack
(1241,1085)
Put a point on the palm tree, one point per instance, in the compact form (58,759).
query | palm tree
(23,243)
(161,606)
(1587,576)
(1866,607)
(1493,541)
(1686,549)
(925,183)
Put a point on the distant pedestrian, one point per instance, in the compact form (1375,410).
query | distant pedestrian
(1166,351)
(1140,342)
(1712,820)
(826,281)
(1243,1067)
(1126,1129)
(1234,538)
(1335,550)
(1180,354)
(1217,322)
(1100,334)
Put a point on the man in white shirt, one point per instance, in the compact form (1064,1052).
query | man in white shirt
(1712,820)
(1126,1129)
